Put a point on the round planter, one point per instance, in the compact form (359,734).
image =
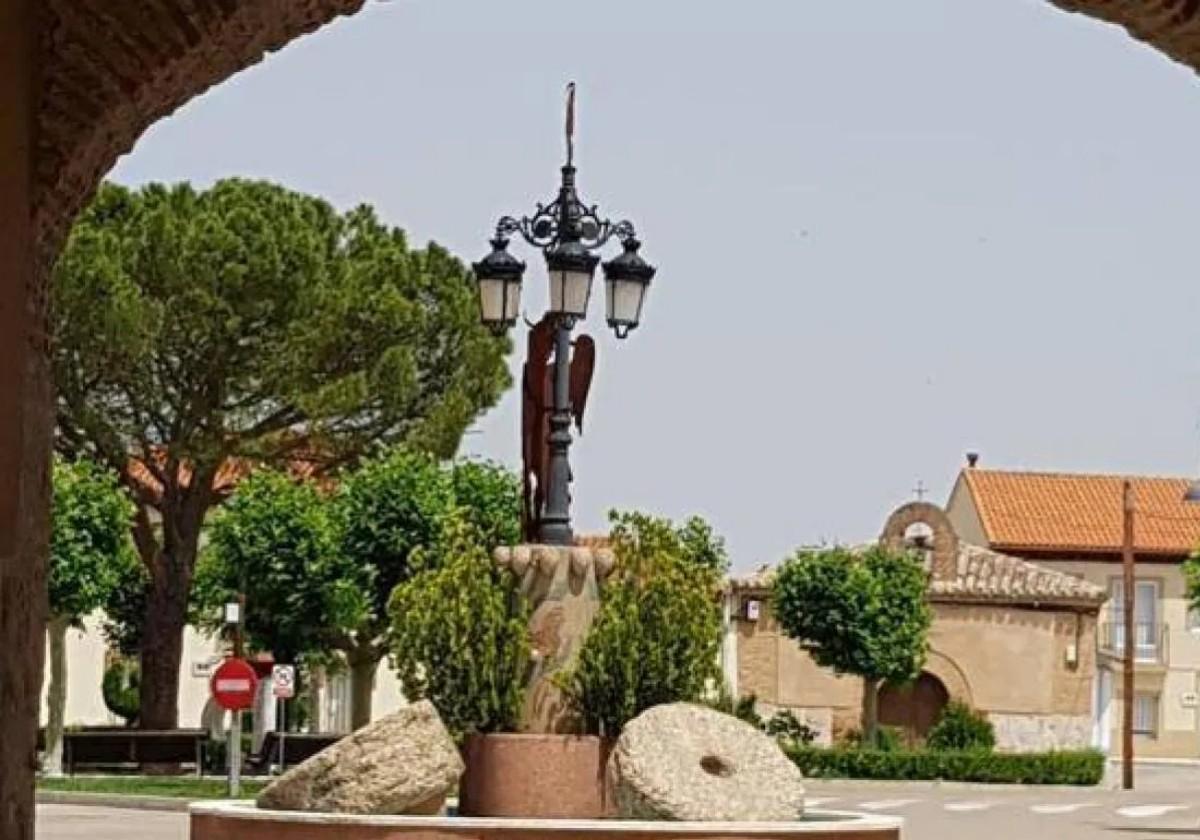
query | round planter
(536,776)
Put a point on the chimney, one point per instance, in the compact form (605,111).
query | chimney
(972,459)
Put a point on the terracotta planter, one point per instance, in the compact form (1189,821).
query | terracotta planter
(514,775)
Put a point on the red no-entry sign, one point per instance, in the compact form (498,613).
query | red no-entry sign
(233,685)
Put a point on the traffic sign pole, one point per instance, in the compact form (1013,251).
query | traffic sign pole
(234,749)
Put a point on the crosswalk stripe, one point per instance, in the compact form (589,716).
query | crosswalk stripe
(1061,807)
(886,804)
(964,807)
(1135,811)
(818,801)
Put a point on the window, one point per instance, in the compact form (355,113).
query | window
(1145,714)
(1146,628)
(1193,620)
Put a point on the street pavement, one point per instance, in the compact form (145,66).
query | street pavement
(930,812)
(88,822)
(953,812)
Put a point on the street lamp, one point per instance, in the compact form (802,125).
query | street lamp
(569,234)
(499,277)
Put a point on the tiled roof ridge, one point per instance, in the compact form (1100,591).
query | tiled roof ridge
(1074,475)
(982,576)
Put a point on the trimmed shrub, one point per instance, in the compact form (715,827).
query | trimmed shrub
(959,727)
(887,739)
(1074,767)
(120,689)
(785,726)
(460,638)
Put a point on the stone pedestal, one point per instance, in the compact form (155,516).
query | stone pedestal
(562,584)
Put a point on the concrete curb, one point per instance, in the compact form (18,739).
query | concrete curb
(113,800)
(818,785)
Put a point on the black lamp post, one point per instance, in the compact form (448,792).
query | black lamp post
(569,233)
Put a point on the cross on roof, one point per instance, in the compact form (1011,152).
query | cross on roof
(920,490)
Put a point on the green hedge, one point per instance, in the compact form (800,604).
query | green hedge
(1081,767)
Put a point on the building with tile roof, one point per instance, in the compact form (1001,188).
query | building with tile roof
(1072,523)
(1012,638)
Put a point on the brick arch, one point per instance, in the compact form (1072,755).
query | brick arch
(945,540)
(110,69)
(953,677)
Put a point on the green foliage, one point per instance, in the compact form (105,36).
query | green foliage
(959,727)
(862,614)
(191,327)
(393,512)
(229,320)
(391,506)
(89,542)
(694,542)
(887,739)
(274,542)
(125,606)
(489,497)
(120,689)
(785,726)
(1082,767)
(460,637)
(656,637)
(743,708)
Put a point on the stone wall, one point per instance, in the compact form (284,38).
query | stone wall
(1033,733)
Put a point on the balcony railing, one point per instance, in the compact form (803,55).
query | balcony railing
(1149,641)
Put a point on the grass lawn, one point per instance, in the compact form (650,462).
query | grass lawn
(183,787)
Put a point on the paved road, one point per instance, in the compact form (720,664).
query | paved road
(953,813)
(929,812)
(75,822)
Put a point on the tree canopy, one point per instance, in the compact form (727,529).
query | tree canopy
(857,613)
(89,543)
(393,513)
(196,331)
(274,542)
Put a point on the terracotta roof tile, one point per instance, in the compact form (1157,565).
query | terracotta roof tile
(1081,513)
(981,576)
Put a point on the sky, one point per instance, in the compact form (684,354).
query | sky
(886,233)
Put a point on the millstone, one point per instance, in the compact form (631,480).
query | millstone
(403,763)
(685,762)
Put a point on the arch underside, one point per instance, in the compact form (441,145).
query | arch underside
(111,68)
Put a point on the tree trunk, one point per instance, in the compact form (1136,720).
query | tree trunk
(870,713)
(162,650)
(316,683)
(363,663)
(26,425)
(57,699)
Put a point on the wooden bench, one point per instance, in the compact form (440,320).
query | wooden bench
(117,748)
(288,749)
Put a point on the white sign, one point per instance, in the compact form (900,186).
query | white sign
(283,681)
(752,610)
(203,668)
(1189,700)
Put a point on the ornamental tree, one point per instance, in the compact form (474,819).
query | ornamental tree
(392,515)
(200,331)
(857,613)
(273,541)
(89,543)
